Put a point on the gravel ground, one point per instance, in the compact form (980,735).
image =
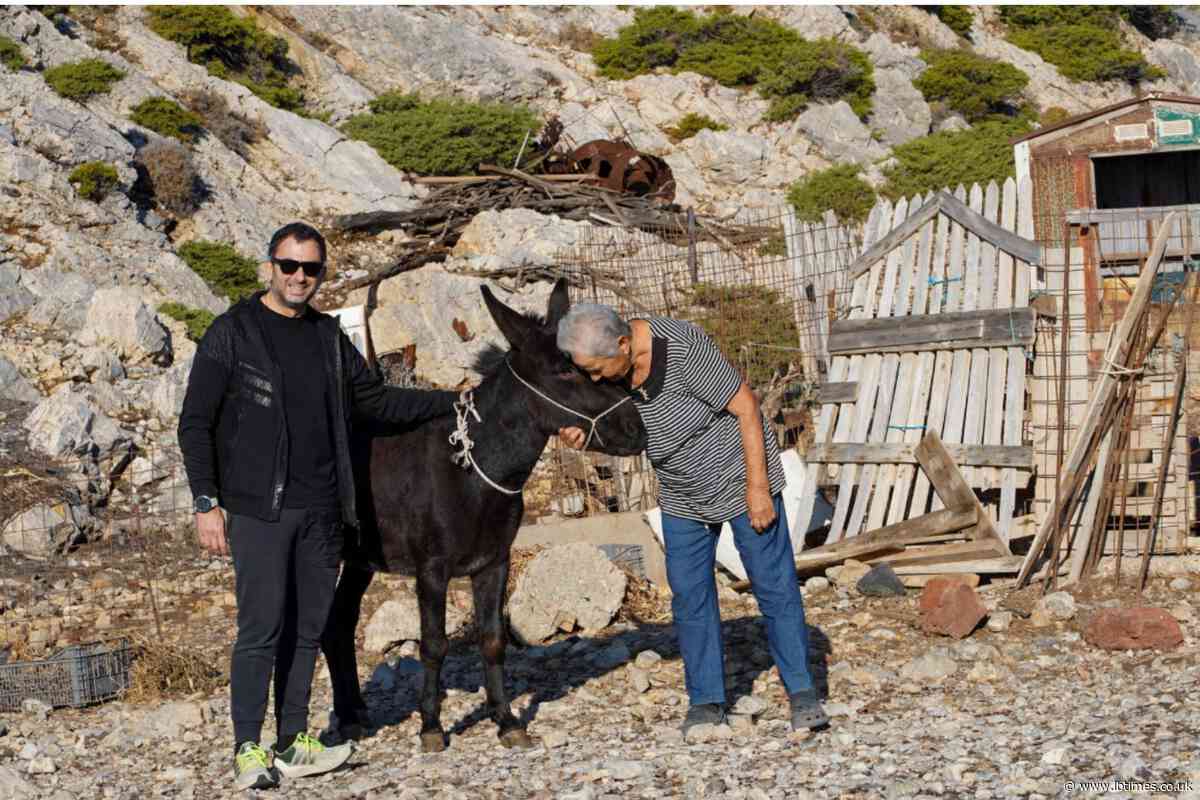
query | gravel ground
(1013,713)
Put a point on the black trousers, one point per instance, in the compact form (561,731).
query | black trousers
(286,573)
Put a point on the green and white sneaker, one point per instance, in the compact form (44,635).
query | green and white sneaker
(252,768)
(307,756)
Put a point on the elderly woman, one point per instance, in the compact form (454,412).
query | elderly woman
(716,461)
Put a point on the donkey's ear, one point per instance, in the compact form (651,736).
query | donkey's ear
(560,301)
(514,326)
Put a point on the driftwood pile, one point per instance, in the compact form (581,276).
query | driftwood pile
(435,226)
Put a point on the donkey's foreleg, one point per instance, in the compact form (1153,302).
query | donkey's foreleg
(488,589)
(432,584)
(337,643)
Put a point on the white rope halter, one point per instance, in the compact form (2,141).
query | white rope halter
(461,437)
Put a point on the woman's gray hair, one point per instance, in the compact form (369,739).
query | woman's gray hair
(591,330)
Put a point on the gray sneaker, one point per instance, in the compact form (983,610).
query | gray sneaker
(704,714)
(807,713)
(252,768)
(307,756)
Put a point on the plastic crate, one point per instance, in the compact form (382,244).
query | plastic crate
(78,675)
(627,555)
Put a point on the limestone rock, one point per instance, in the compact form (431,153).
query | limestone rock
(932,666)
(899,112)
(452,58)
(119,318)
(518,237)
(1054,607)
(14,298)
(420,307)
(838,131)
(65,421)
(41,531)
(574,578)
(399,620)
(14,385)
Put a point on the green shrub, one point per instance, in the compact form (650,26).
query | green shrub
(10,54)
(225,270)
(838,188)
(82,79)
(168,175)
(167,118)
(442,136)
(775,245)
(1153,22)
(739,51)
(94,180)
(232,48)
(196,319)
(1053,115)
(762,317)
(1084,42)
(956,18)
(970,84)
(824,69)
(692,123)
(949,158)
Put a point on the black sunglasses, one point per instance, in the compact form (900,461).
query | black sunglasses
(289,265)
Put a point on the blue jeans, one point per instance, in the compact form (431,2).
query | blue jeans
(691,554)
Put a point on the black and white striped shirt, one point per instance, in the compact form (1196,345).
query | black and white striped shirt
(693,442)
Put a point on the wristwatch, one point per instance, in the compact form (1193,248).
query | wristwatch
(204,504)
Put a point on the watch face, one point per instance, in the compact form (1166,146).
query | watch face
(204,504)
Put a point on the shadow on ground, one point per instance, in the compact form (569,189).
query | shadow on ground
(551,672)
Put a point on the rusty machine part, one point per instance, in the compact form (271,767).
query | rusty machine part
(624,169)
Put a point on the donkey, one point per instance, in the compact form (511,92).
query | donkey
(422,513)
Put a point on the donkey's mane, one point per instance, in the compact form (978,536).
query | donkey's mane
(491,358)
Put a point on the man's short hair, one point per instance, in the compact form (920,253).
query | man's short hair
(299,231)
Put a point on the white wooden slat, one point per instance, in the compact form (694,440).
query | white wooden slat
(937,379)
(850,367)
(880,371)
(1014,399)
(998,291)
(976,388)
(957,387)
(907,379)
(922,366)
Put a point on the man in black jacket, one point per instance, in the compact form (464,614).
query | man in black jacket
(265,437)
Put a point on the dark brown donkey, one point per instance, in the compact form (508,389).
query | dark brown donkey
(427,515)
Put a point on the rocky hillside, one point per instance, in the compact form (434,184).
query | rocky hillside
(89,356)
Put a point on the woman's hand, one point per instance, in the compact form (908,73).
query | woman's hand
(572,437)
(761,508)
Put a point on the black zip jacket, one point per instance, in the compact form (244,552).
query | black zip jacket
(233,431)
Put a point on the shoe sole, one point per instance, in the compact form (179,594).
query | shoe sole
(306,770)
(261,780)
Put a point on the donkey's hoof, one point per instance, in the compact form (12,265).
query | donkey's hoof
(516,738)
(433,742)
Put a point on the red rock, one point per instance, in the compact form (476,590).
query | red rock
(957,612)
(931,594)
(1133,629)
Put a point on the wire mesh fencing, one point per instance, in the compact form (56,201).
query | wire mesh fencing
(98,548)
(765,287)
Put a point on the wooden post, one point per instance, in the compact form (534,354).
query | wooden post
(693,263)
